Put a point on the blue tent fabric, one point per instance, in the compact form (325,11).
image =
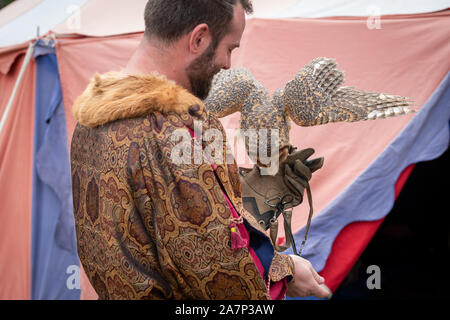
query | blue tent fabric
(371,196)
(53,247)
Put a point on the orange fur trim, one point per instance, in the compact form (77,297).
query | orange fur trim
(113,96)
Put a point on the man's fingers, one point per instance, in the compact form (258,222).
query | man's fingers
(321,291)
(317,277)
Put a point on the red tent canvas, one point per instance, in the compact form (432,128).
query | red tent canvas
(406,56)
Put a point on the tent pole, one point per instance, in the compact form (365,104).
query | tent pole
(27,59)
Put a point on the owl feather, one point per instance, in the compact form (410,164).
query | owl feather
(315,96)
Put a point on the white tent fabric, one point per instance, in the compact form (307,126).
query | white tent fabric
(336,8)
(271,8)
(19,21)
(16,9)
(100,18)
(45,15)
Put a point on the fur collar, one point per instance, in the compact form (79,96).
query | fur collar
(113,96)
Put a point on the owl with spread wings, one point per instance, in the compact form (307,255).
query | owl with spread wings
(314,97)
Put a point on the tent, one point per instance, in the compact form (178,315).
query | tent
(366,164)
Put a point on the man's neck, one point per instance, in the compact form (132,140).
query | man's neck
(150,58)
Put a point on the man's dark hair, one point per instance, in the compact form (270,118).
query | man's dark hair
(169,20)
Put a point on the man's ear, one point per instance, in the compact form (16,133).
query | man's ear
(200,38)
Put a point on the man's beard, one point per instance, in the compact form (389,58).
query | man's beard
(201,72)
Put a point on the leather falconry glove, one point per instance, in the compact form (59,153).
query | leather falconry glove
(266,197)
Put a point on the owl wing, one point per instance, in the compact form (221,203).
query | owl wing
(315,96)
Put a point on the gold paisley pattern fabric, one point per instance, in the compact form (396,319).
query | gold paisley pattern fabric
(148,228)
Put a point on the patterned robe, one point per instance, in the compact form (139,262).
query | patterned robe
(148,228)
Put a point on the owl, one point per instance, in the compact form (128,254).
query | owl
(315,96)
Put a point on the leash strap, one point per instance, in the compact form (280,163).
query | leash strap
(287,217)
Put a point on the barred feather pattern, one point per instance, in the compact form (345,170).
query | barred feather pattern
(262,117)
(236,90)
(315,97)
(229,91)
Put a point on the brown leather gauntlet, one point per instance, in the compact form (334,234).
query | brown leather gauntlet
(266,196)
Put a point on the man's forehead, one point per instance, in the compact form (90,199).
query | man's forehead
(238,21)
(237,25)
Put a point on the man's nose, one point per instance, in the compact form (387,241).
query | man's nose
(227,63)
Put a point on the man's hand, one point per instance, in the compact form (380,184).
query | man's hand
(307,281)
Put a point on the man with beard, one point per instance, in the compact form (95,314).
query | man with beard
(149,228)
